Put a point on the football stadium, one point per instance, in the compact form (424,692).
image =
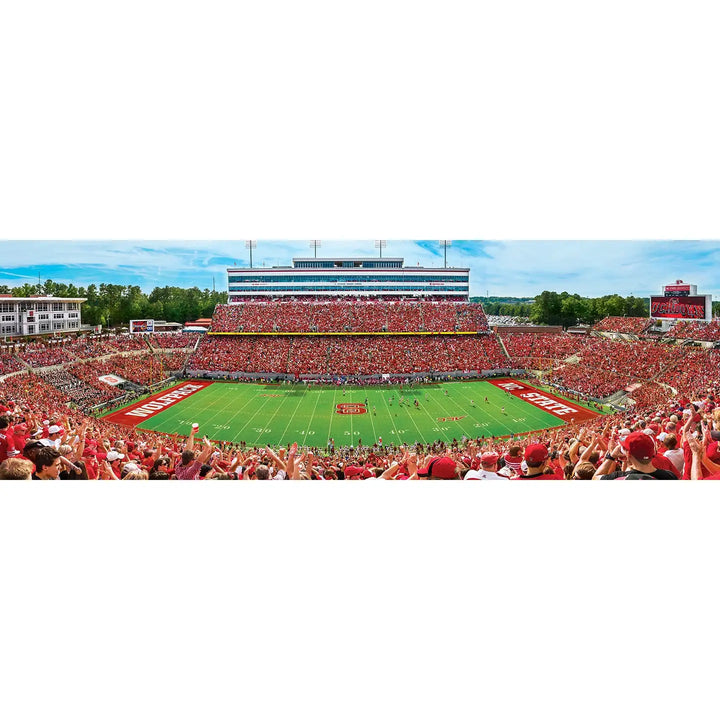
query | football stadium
(360,368)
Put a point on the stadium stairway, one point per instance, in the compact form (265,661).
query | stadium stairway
(502,345)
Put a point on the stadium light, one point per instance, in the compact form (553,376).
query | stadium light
(315,244)
(446,244)
(251,244)
(380,244)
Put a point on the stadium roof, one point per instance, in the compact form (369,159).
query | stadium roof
(374,258)
(40,298)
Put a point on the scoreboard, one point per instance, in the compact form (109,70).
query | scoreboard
(142,326)
(689,307)
(680,301)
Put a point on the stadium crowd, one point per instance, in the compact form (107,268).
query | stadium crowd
(526,348)
(694,330)
(671,431)
(348,355)
(607,366)
(349,316)
(38,353)
(622,324)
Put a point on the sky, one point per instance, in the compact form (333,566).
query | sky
(506,268)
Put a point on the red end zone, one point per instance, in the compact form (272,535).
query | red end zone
(135,414)
(559,408)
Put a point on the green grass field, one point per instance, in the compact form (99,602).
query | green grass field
(282,414)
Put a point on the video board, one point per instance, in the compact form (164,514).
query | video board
(688,307)
(142,326)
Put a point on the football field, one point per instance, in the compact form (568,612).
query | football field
(311,415)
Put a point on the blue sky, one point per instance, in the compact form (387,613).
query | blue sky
(520,268)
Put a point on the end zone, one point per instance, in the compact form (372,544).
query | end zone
(133,415)
(563,409)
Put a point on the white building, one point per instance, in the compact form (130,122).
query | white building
(38,315)
(355,277)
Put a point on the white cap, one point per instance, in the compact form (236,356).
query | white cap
(649,431)
(54,429)
(113,455)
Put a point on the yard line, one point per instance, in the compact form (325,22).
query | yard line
(390,415)
(312,417)
(289,422)
(332,417)
(231,395)
(230,399)
(269,422)
(250,419)
(462,428)
(372,422)
(412,419)
(496,418)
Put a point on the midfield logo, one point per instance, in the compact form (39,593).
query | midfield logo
(351,409)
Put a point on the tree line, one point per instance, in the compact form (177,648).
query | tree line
(552,308)
(114,305)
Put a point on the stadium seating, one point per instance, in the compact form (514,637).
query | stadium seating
(627,325)
(661,380)
(349,316)
(692,330)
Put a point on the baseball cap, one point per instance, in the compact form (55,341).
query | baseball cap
(640,446)
(54,429)
(354,471)
(713,451)
(113,455)
(443,468)
(489,458)
(536,454)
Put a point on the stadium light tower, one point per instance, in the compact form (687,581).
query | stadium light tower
(251,244)
(380,244)
(446,244)
(315,244)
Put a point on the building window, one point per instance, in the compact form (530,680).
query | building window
(58,316)
(57,306)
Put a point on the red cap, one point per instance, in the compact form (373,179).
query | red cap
(639,445)
(489,458)
(354,470)
(713,451)
(443,468)
(536,454)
